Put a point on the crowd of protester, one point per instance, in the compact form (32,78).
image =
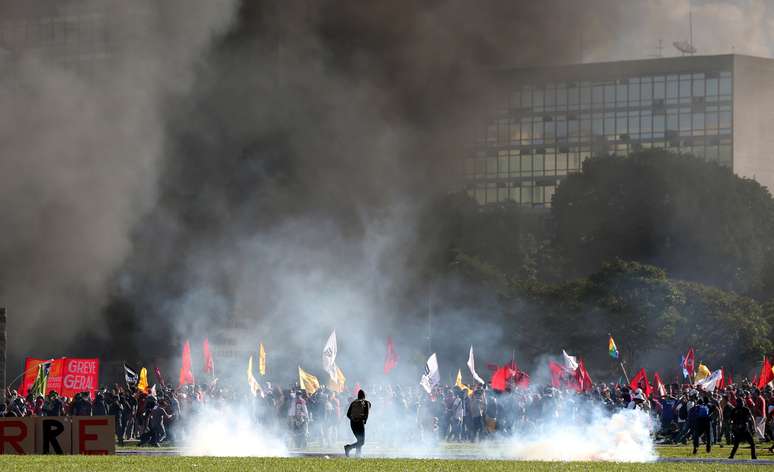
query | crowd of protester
(403,415)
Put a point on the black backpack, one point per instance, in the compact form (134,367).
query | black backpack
(359,409)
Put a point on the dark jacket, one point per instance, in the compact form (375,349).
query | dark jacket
(741,418)
(366,405)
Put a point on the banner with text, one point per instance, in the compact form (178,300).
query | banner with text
(66,377)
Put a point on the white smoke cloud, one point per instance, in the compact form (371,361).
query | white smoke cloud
(228,432)
(621,437)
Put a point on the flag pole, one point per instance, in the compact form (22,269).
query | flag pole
(624,371)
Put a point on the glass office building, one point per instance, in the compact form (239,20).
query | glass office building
(543,123)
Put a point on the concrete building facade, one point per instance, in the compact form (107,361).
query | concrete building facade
(544,122)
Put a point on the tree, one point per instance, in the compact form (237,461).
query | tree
(725,329)
(636,302)
(695,219)
(509,237)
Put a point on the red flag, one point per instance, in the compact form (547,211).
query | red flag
(159,377)
(499,379)
(558,372)
(728,381)
(641,381)
(186,376)
(766,374)
(689,362)
(582,378)
(722,384)
(391,360)
(357,388)
(209,364)
(521,380)
(659,385)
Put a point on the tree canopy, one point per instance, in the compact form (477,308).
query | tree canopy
(696,220)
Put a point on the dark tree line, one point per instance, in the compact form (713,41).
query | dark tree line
(663,251)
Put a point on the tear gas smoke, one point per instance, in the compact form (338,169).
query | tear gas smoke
(264,169)
(227,432)
(621,437)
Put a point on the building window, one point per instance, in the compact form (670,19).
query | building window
(515,193)
(724,87)
(698,124)
(659,88)
(491,167)
(712,87)
(502,163)
(724,119)
(698,87)
(514,166)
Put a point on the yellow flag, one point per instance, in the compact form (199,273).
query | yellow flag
(339,383)
(461,385)
(307,381)
(142,384)
(255,387)
(261,360)
(702,372)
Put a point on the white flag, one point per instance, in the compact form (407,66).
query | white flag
(570,361)
(472,367)
(431,378)
(329,356)
(709,384)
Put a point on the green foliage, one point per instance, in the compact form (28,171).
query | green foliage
(644,309)
(696,220)
(509,237)
(723,326)
(663,251)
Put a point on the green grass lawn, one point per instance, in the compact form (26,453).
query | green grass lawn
(666,451)
(172,464)
(717,452)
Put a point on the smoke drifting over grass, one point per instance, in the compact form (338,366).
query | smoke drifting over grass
(621,437)
(302,164)
(228,432)
(261,162)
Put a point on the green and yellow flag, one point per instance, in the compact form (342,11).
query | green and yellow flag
(307,381)
(38,388)
(261,360)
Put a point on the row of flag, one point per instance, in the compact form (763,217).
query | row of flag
(702,375)
(337,380)
(140,380)
(571,373)
(502,376)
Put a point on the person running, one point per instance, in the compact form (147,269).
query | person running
(358,416)
(742,424)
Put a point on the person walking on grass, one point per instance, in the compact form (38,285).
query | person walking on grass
(742,425)
(358,416)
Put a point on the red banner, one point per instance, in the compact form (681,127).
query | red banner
(66,377)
